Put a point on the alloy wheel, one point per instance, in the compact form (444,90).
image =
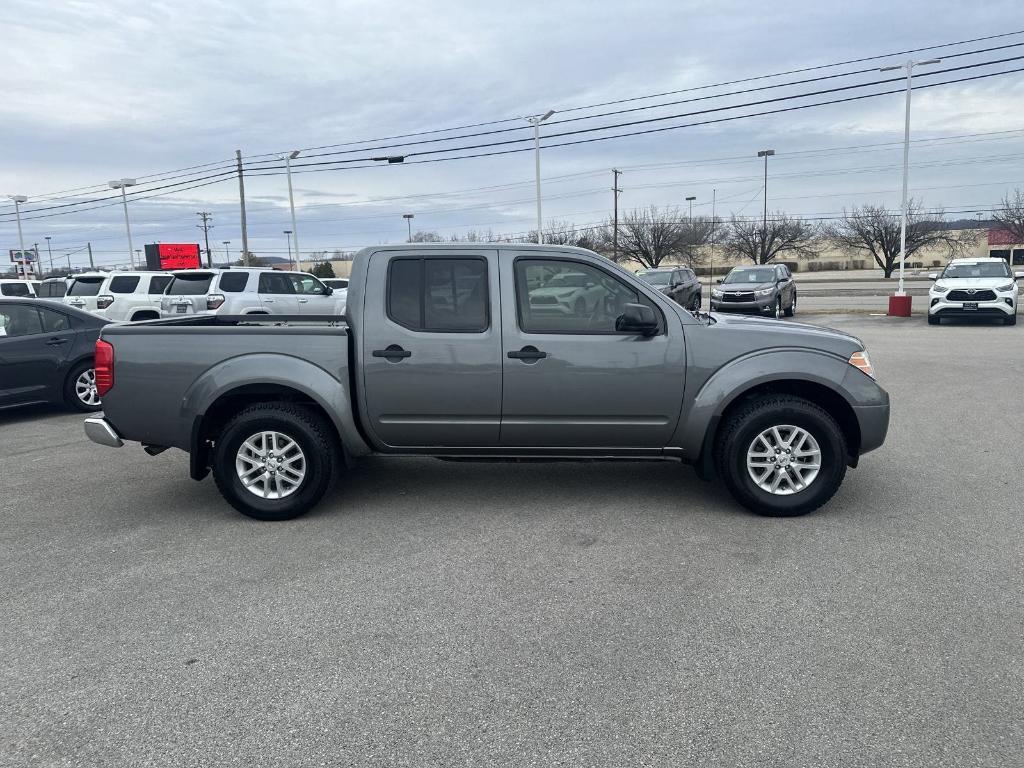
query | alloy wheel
(270,465)
(85,388)
(783,459)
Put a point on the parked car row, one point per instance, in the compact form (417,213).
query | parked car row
(130,296)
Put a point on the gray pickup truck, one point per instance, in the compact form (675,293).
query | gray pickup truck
(492,352)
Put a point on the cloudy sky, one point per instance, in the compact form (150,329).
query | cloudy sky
(167,91)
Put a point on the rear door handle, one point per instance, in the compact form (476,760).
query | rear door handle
(528,354)
(393,353)
(56,342)
(269,301)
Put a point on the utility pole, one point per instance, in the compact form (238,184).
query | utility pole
(714,231)
(241,200)
(765,153)
(92,266)
(206,226)
(615,220)
(49,251)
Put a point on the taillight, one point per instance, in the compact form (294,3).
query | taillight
(214,300)
(102,302)
(103,363)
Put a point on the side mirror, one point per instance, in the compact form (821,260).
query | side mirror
(637,318)
(328,290)
(933,275)
(720,280)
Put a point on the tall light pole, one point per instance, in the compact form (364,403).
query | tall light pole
(18,199)
(690,201)
(123,185)
(765,153)
(909,66)
(408,220)
(714,228)
(288,234)
(227,255)
(535,121)
(291,198)
(49,251)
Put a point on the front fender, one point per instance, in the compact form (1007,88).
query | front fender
(275,370)
(744,373)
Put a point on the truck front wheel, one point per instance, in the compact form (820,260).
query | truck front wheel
(781,455)
(275,461)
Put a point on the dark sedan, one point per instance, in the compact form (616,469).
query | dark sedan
(46,354)
(678,283)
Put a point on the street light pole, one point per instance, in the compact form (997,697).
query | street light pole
(690,201)
(291,199)
(227,255)
(21,240)
(909,66)
(49,251)
(535,121)
(123,185)
(288,234)
(765,153)
(408,220)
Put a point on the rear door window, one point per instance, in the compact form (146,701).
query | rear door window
(190,285)
(14,289)
(439,295)
(234,282)
(88,286)
(124,284)
(275,283)
(158,283)
(53,321)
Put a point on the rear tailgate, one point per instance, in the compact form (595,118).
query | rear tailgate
(186,294)
(83,292)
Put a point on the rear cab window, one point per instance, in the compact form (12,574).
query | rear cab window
(190,284)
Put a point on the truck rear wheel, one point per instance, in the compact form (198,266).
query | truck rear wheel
(781,455)
(275,461)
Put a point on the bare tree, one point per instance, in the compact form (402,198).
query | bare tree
(649,236)
(1010,215)
(784,234)
(875,230)
(420,236)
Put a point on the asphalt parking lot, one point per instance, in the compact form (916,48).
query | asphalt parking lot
(435,613)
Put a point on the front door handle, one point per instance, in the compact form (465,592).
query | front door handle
(528,354)
(303,301)
(269,301)
(393,353)
(56,342)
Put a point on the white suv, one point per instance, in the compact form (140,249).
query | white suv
(248,291)
(17,287)
(974,288)
(119,296)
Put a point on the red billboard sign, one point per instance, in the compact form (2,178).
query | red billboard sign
(173,256)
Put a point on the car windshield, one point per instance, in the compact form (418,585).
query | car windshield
(568,280)
(750,276)
(979,269)
(655,278)
(85,286)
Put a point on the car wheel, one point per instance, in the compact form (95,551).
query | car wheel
(792,307)
(80,390)
(781,456)
(1011,320)
(778,308)
(275,461)
(934,320)
(696,303)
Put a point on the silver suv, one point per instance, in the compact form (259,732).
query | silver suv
(248,291)
(118,296)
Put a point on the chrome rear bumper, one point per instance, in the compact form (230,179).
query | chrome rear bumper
(99,431)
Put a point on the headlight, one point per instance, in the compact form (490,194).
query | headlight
(1010,287)
(860,360)
(765,292)
(939,289)
(716,293)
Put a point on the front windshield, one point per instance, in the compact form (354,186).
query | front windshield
(655,278)
(750,276)
(978,269)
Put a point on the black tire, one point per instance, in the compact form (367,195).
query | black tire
(314,437)
(934,320)
(1011,320)
(697,301)
(749,420)
(71,397)
(791,309)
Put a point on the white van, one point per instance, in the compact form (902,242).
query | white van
(119,296)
